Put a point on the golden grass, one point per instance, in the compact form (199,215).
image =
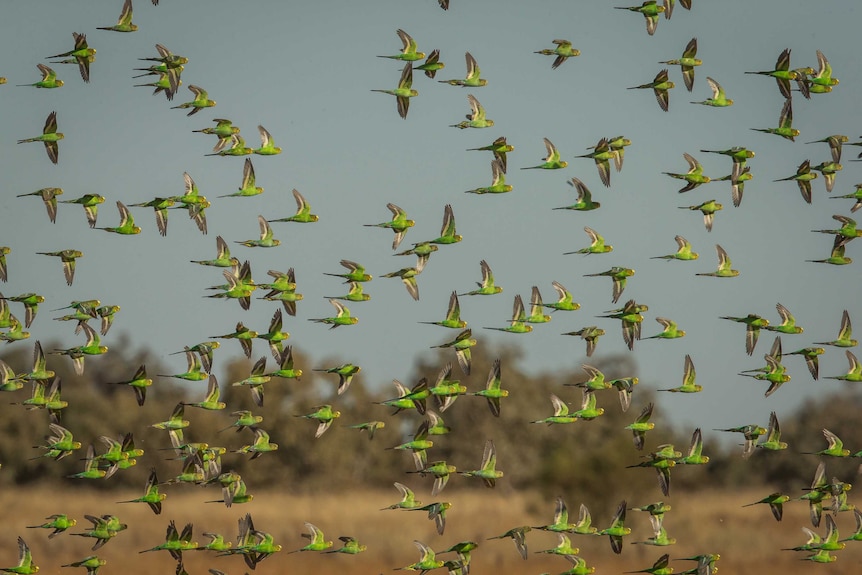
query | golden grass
(748,539)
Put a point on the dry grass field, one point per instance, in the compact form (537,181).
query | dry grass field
(748,539)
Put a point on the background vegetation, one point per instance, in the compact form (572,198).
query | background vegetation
(340,481)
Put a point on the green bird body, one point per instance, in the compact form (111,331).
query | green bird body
(266,237)
(211,400)
(356,272)
(719,99)
(724,269)
(488,471)
(124,24)
(498,181)
(90,203)
(631,320)
(597,245)
(785,127)
(91,467)
(751,433)
(552,161)
(688,379)
(591,335)
(848,230)
(828,171)
(561,413)
(152,497)
(408,53)
(275,336)
(493,393)
(342,317)
(518,535)
(255,381)
(617,529)
(194,371)
(694,456)
(773,437)
(408,278)
(499,147)
(782,73)
(564,548)
(618,275)
(49,78)
(127,225)
(50,136)
(670,331)
(602,155)
(59,523)
(176,542)
(453,315)
(803,177)
(345,374)
(776,503)
(59,444)
(398,224)
(788,322)
(68,258)
(261,444)
(836,257)
(857,195)
(324,414)
(82,55)
(91,347)
(473,78)
(31,303)
(223,257)
(660,87)
(487,286)
(4,269)
(584,201)
(854,372)
(640,426)
(432,64)
(563,50)
(237,147)
(687,63)
(25,564)
(408,499)
(160,207)
(350,546)
(444,390)
(565,301)
(694,176)
(650,10)
(286,368)
(303,213)
(518,323)
(404,91)
(427,560)
(476,118)
(753,323)
(49,198)
(200,101)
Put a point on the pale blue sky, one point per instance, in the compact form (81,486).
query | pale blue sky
(305,71)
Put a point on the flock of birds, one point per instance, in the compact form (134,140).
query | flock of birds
(202,462)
